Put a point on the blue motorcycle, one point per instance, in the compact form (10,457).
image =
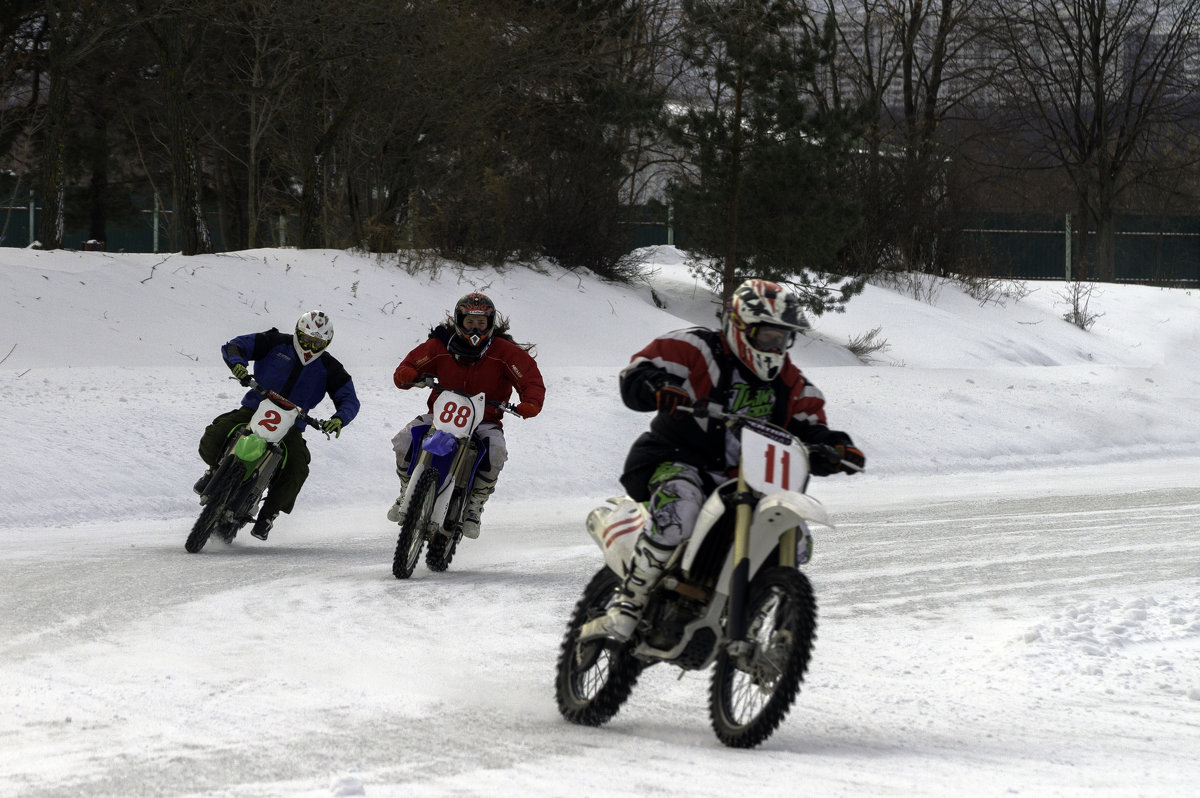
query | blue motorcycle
(441,476)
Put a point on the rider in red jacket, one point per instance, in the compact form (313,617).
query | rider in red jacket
(472,352)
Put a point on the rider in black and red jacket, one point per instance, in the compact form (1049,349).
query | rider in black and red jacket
(744,368)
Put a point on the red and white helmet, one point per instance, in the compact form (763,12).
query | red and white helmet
(761,322)
(313,333)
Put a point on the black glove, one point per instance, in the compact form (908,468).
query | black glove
(851,458)
(670,397)
(836,453)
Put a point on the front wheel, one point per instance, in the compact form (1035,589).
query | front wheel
(595,678)
(441,551)
(412,531)
(219,491)
(751,693)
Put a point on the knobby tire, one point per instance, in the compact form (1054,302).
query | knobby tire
(412,531)
(223,484)
(593,681)
(441,552)
(749,699)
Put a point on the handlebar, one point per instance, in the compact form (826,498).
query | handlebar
(283,401)
(430,381)
(706,409)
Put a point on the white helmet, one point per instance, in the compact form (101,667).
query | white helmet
(761,321)
(313,333)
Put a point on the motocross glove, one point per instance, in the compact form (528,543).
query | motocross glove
(332,427)
(405,376)
(528,410)
(241,372)
(670,397)
(851,458)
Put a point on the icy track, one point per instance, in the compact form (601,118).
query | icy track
(980,646)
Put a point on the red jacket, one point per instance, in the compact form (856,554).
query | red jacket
(503,367)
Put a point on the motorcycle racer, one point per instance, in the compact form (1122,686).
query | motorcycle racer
(471,351)
(298,367)
(745,368)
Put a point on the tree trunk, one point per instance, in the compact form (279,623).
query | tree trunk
(53,161)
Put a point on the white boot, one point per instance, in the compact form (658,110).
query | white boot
(394,511)
(479,496)
(623,615)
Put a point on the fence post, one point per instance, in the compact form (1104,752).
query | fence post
(1068,247)
(32,229)
(671,225)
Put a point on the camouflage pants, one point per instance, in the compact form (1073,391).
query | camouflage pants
(675,498)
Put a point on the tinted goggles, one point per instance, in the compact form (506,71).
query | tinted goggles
(769,338)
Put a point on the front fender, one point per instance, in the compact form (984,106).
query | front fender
(774,515)
(786,509)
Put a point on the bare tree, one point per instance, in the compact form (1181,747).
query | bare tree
(74,29)
(919,65)
(176,28)
(1102,90)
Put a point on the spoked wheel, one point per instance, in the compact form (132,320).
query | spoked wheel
(222,486)
(412,531)
(441,551)
(753,692)
(595,678)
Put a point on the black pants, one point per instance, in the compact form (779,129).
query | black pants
(286,484)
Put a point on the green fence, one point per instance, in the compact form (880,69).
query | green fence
(1158,250)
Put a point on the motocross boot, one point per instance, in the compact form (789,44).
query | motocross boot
(624,613)
(393,513)
(262,527)
(479,495)
(202,483)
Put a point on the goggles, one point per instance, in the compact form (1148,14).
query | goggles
(311,343)
(769,338)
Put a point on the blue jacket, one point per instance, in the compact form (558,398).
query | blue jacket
(278,368)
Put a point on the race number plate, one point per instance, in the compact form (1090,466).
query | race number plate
(769,465)
(272,422)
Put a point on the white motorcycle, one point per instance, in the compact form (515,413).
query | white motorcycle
(732,594)
(446,459)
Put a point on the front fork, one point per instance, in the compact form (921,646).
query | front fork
(458,473)
(740,578)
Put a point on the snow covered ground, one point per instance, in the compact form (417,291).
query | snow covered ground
(1010,604)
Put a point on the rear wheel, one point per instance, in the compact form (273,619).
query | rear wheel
(219,491)
(752,693)
(594,679)
(412,531)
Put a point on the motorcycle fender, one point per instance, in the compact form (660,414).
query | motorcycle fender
(250,448)
(786,509)
(439,443)
(615,530)
(773,516)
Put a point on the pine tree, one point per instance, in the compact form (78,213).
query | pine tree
(766,198)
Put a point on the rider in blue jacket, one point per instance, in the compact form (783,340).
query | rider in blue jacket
(297,367)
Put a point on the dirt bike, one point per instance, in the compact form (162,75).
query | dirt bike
(732,594)
(441,476)
(251,460)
